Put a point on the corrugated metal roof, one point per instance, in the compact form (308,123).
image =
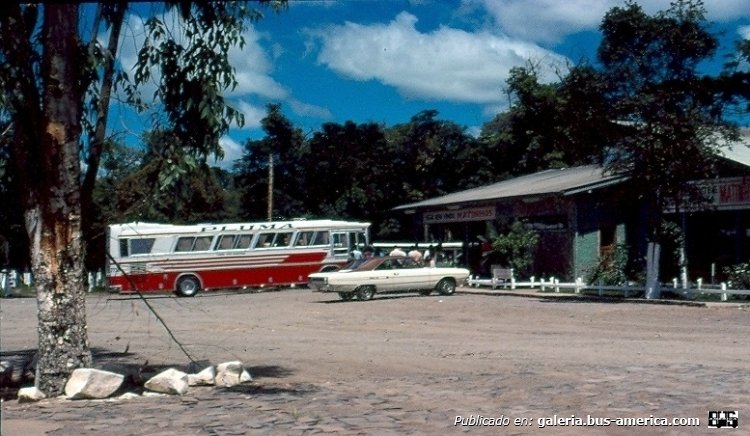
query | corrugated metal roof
(566,181)
(739,151)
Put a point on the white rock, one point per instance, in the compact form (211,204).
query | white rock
(171,382)
(30,394)
(128,396)
(87,383)
(231,374)
(203,378)
(245,377)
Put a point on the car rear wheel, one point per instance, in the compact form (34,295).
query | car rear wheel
(365,293)
(346,296)
(446,287)
(188,286)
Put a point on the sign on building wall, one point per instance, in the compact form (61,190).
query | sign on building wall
(728,193)
(459,215)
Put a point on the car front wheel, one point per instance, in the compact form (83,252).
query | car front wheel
(446,287)
(365,293)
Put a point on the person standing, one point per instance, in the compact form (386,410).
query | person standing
(415,254)
(397,252)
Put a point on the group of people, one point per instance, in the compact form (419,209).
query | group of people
(428,257)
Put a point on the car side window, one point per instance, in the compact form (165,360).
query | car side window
(385,265)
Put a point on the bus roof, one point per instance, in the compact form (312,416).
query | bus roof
(144,228)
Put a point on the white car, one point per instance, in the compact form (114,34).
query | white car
(388,274)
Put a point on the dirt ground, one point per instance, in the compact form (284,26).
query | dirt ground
(402,364)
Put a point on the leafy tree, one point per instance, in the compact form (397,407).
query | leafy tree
(349,173)
(670,116)
(516,247)
(549,125)
(269,170)
(143,194)
(14,243)
(49,78)
(433,157)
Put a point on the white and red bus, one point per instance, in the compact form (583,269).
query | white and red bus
(149,257)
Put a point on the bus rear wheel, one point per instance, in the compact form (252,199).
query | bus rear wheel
(188,286)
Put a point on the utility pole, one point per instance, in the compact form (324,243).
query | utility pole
(270,186)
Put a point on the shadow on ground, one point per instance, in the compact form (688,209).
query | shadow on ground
(21,365)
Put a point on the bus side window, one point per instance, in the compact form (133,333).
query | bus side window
(283,239)
(124,248)
(340,244)
(264,240)
(184,243)
(226,242)
(202,243)
(321,238)
(304,239)
(243,242)
(141,246)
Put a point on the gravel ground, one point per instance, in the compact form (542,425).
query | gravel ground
(402,364)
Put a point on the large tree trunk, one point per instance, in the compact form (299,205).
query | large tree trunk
(653,286)
(53,213)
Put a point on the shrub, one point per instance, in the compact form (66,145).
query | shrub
(738,275)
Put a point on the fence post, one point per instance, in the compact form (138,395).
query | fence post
(541,285)
(699,282)
(5,283)
(724,296)
(556,282)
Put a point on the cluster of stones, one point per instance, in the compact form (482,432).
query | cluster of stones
(88,383)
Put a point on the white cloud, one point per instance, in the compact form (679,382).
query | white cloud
(233,150)
(550,20)
(546,20)
(253,115)
(744,32)
(445,64)
(253,67)
(309,110)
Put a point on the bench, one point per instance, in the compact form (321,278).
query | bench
(502,275)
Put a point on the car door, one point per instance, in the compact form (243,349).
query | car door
(409,275)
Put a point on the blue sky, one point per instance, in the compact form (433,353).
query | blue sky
(386,60)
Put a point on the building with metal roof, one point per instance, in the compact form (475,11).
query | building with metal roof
(582,214)
(564,182)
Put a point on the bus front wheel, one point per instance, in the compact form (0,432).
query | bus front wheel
(188,286)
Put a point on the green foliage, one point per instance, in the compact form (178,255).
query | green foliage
(516,247)
(738,275)
(611,269)
(651,66)
(549,125)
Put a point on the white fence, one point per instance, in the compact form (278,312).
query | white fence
(554,285)
(11,279)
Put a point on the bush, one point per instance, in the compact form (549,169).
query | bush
(611,269)
(516,247)
(738,275)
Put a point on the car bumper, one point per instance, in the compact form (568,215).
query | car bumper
(321,285)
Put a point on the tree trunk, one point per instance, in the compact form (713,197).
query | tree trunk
(53,212)
(653,287)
